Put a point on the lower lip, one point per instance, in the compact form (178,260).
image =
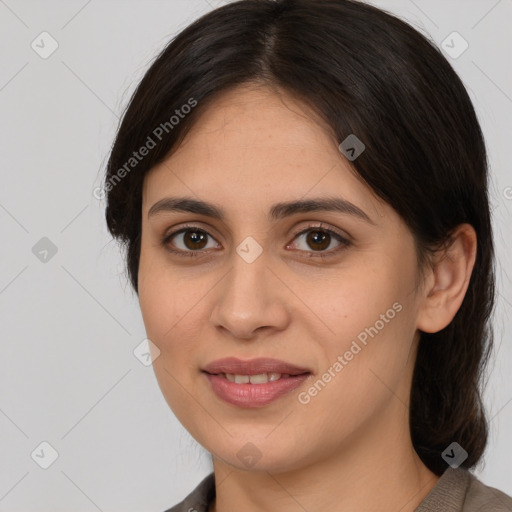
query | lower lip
(253,395)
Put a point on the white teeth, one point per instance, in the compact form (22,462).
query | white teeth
(261,378)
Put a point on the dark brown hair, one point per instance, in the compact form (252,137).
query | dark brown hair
(364,72)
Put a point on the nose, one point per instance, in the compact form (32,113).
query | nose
(250,299)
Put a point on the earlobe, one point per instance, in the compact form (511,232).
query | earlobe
(448,280)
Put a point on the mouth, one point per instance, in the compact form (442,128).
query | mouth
(255,382)
(259,378)
(272,369)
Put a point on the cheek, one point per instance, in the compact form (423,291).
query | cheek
(158,312)
(358,378)
(352,299)
(164,316)
(162,304)
(371,327)
(170,311)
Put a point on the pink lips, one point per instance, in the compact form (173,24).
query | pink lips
(253,395)
(253,366)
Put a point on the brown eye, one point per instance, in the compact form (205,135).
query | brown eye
(318,240)
(188,241)
(194,239)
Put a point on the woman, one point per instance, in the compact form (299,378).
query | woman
(301,186)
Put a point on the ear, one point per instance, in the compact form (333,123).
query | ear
(448,281)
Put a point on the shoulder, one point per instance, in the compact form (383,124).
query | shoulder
(199,499)
(483,498)
(459,490)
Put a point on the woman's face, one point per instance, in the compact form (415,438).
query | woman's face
(253,284)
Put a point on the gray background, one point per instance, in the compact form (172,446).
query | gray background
(69,325)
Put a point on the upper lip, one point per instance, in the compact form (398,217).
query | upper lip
(257,366)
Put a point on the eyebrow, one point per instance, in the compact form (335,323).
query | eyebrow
(277,211)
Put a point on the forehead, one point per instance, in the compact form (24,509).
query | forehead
(254,145)
(259,116)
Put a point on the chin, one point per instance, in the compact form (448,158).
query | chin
(260,456)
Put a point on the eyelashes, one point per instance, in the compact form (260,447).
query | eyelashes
(322,237)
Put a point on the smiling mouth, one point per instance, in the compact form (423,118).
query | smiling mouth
(273,369)
(255,390)
(261,378)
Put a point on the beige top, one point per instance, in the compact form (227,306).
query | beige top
(457,490)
